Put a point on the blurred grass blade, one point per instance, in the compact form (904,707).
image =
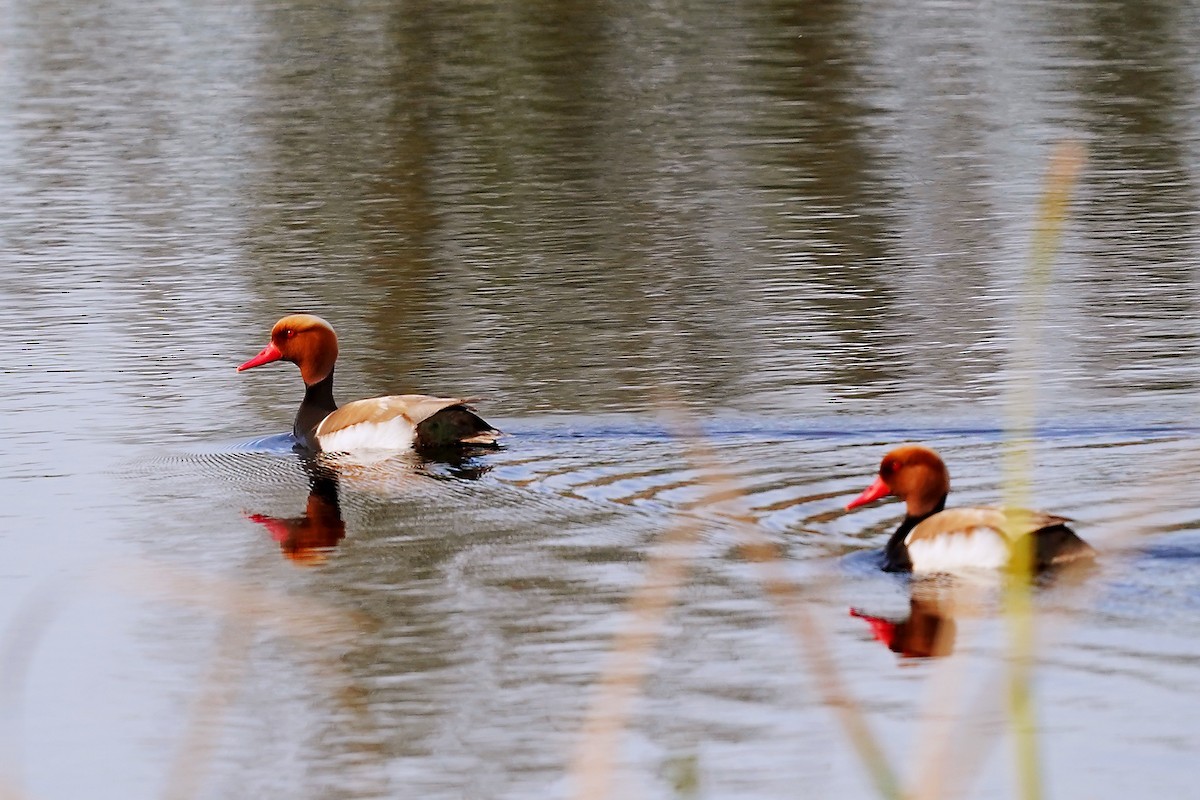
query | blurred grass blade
(594,766)
(814,648)
(811,643)
(1065,164)
(241,607)
(216,693)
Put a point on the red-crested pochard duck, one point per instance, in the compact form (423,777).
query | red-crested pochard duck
(931,539)
(396,422)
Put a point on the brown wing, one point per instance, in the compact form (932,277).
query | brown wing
(438,421)
(1013,522)
(412,408)
(1054,543)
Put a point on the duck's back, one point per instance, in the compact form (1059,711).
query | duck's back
(983,537)
(399,422)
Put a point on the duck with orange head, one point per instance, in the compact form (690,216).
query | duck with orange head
(395,422)
(932,538)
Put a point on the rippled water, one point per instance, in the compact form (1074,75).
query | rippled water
(803,228)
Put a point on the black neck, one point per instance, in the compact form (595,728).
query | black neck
(895,553)
(318,404)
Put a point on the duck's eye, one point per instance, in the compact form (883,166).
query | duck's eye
(289,333)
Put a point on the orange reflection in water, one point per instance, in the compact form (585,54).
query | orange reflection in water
(307,539)
(928,632)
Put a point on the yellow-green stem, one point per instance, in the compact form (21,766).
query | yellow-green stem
(1052,211)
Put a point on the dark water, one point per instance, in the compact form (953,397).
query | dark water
(802,227)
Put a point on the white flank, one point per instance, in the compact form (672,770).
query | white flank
(390,434)
(972,549)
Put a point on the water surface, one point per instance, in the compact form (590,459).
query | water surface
(802,228)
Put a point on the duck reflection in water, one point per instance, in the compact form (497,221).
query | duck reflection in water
(928,632)
(937,603)
(308,538)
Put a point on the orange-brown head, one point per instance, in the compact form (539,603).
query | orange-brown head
(915,474)
(307,341)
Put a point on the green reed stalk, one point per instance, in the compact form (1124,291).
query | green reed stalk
(1052,212)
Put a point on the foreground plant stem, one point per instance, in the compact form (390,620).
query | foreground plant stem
(1052,211)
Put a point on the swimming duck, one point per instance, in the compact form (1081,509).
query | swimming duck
(394,422)
(935,539)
